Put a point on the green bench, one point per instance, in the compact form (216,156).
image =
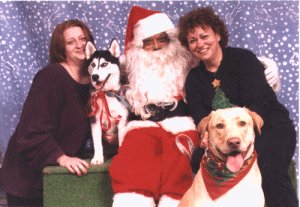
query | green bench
(62,189)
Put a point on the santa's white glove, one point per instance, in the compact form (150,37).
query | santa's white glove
(271,72)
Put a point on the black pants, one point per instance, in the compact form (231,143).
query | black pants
(14,201)
(275,152)
(275,149)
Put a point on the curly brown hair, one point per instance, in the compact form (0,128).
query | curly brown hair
(205,17)
(57,51)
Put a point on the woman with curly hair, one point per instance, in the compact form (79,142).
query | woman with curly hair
(241,77)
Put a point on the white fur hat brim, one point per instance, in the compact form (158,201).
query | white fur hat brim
(152,25)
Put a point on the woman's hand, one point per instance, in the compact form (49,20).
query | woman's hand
(73,164)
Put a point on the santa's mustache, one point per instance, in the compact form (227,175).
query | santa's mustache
(173,54)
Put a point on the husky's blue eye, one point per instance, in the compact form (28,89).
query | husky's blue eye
(93,65)
(104,65)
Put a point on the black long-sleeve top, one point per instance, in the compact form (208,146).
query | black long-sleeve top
(53,122)
(242,80)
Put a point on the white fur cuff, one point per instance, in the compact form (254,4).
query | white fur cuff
(174,125)
(166,201)
(132,200)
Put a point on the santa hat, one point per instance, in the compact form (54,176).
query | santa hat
(144,23)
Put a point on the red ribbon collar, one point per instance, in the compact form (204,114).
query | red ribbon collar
(217,178)
(105,109)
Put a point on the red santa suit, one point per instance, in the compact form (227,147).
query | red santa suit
(153,163)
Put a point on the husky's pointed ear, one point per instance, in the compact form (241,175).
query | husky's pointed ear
(114,48)
(89,50)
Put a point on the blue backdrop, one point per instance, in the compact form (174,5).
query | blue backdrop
(268,28)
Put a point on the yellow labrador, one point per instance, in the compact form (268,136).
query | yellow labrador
(229,175)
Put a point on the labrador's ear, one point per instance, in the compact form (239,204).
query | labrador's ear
(203,131)
(257,120)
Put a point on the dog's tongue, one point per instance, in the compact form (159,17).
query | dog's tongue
(234,163)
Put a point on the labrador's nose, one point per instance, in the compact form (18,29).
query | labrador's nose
(234,142)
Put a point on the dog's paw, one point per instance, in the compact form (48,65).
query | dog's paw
(97,161)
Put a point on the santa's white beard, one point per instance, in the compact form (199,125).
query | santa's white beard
(156,77)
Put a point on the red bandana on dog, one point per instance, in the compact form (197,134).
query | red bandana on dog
(217,178)
(105,108)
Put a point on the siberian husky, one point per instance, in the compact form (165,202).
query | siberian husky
(108,109)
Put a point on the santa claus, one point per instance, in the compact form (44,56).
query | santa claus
(153,163)
(152,166)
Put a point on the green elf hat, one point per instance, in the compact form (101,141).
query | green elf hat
(220,101)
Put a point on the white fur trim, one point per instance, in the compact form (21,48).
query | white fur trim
(132,200)
(174,125)
(178,124)
(139,124)
(166,201)
(152,25)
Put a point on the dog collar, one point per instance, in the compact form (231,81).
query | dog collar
(217,178)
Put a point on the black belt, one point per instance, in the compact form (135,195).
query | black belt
(160,113)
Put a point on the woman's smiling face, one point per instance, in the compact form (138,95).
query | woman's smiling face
(204,43)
